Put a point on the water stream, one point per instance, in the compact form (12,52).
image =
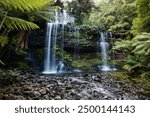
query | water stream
(50,63)
(104,47)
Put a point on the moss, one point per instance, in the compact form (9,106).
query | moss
(121,76)
(23,66)
(8,77)
(125,78)
(85,63)
(145,82)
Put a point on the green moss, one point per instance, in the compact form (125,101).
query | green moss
(121,76)
(85,63)
(23,66)
(125,78)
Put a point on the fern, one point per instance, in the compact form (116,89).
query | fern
(123,44)
(17,8)
(17,23)
(24,5)
(3,40)
(142,44)
(1,63)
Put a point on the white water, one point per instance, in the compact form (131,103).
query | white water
(104,52)
(50,49)
(50,65)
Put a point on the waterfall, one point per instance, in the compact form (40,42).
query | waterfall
(104,52)
(50,64)
(50,47)
(104,47)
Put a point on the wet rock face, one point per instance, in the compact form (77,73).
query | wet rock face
(72,87)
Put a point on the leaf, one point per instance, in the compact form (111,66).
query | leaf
(25,5)
(19,24)
(1,62)
(3,40)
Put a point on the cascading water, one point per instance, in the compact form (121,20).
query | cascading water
(50,64)
(50,47)
(104,47)
(104,52)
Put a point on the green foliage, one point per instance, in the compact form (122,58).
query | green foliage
(24,5)
(125,45)
(142,44)
(17,23)
(80,9)
(138,49)
(3,40)
(8,77)
(88,35)
(23,66)
(132,64)
(112,16)
(14,13)
(136,81)
(9,74)
(119,26)
(11,52)
(85,63)
(2,63)
(142,21)
(138,54)
(17,15)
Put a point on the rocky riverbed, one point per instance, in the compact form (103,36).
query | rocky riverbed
(82,86)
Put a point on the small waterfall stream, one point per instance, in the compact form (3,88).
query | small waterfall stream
(104,47)
(104,52)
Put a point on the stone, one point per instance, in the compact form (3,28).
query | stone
(27,88)
(27,93)
(68,87)
(85,75)
(57,97)
(45,97)
(73,92)
(36,94)
(4,96)
(41,77)
(43,91)
(1,95)
(20,98)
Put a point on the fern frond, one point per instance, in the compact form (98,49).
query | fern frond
(2,63)
(142,44)
(24,5)
(123,44)
(3,40)
(19,24)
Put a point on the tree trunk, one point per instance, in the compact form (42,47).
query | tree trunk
(22,39)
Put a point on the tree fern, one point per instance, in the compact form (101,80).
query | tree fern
(123,45)
(17,23)
(15,9)
(24,5)
(3,40)
(142,44)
